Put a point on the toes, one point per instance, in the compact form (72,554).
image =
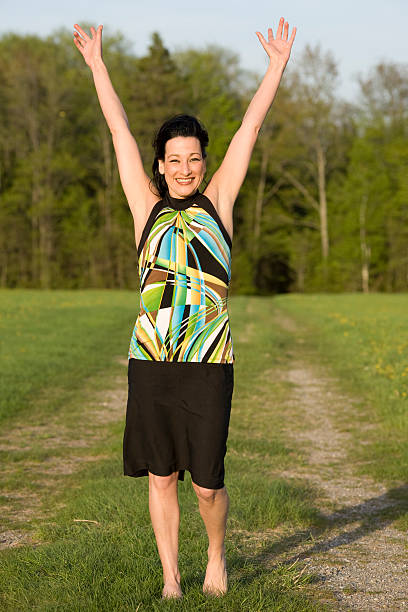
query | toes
(213,592)
(172,595)
(172,592)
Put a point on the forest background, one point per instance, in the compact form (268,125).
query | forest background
(324,206)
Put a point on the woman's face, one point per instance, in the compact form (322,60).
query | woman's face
(183,166)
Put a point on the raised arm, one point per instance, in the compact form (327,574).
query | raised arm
(226,182)
(135,182)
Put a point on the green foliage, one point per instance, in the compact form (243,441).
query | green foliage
(361,203)
(211,79)
(64,220)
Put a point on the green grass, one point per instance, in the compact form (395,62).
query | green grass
(112,564)
(364,340)
(61,349)
(51,341)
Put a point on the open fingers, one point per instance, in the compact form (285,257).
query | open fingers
(97,33)
(292,36)
(81,31)
(280,28)
(262,40)
(281,33)
(80,42)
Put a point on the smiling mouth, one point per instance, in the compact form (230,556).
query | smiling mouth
(184,181)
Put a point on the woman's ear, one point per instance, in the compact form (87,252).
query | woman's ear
(161,166)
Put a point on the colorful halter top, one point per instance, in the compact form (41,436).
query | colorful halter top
(184,271)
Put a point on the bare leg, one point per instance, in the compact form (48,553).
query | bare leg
(165,515)
(214,504)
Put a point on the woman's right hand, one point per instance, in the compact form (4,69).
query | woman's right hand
(89,47)
(135,182)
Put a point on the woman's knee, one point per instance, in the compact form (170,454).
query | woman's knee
(163,483)
(208,495)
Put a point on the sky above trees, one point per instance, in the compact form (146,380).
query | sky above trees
(359,34)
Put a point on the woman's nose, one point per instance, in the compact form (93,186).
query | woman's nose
(185,169)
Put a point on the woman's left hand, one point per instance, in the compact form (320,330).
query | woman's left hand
(278,48)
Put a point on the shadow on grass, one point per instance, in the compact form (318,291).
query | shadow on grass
(371,515)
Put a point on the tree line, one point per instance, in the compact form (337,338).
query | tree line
(324,206)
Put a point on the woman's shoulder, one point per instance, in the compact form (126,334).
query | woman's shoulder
(224,221)
(211,194)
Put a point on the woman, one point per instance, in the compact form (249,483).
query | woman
(181,355)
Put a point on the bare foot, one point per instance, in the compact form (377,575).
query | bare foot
(172,591)
(216,582)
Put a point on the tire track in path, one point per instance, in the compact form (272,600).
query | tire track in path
(360,559)
(41,453)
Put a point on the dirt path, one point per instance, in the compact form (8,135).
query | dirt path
(360,559)
(42,452)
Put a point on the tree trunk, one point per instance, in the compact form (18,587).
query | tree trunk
(365,249)
(321,179)
(3,271)
(259,201)
(106,207)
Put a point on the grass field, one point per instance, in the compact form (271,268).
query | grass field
(93,547)
(52,341)
(111,563)
(364,340)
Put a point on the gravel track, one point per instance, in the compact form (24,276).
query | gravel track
(360,559)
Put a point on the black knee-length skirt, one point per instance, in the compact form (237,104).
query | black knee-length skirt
(177,419)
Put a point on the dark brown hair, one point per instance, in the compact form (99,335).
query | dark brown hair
(180,125)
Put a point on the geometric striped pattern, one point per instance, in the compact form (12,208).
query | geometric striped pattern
(184,272)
